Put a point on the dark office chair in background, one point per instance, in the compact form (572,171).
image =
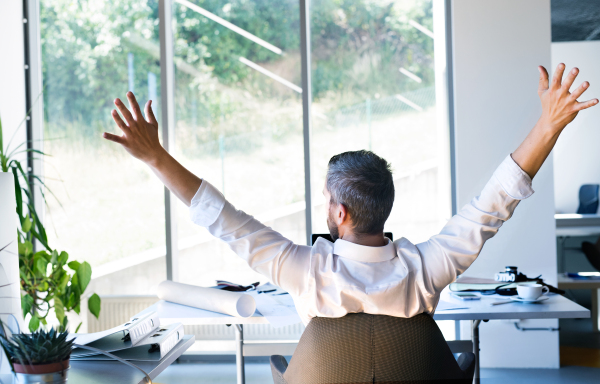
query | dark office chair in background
(361,348)
(592,253)
(588,198)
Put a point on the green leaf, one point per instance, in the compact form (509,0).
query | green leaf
(26,224)
(64,280)
(25,248)
(77,329)
(74,265)
(75,283)
(62,259)
(59,308)
(34,323)
(26,303)
(54,258)
(71,301)
(41,265)
(84,275)
(94,304)
(18,193)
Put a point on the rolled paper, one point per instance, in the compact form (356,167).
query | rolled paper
(211,299)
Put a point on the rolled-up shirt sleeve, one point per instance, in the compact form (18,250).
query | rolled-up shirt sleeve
(266,251)
(448,254)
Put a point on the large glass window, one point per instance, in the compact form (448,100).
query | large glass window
(239,122)
(374,88)
(109,209)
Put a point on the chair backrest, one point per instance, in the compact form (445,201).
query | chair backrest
(592,253)
(588,198)
(363,348)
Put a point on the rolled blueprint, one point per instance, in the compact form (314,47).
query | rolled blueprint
(212,299)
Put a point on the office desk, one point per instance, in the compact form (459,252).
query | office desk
(556,307)
(174,313)
(114,372)
(593,285)
(574,225)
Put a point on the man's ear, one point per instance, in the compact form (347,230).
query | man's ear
(342,215)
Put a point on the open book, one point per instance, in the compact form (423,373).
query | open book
(142,339)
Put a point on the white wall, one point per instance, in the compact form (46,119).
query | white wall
(577,153)
(497,46)
(12,75)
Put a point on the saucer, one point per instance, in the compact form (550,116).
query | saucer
(527,301)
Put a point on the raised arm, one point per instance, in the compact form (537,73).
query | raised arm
(455,248)
(559,108)
(265,250)
(140,139)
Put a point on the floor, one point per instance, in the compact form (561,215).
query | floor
(580,364)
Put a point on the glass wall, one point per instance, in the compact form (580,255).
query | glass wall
(105,207)
(239,122)
(374,88)
(238,111)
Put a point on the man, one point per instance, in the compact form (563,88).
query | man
(362,271)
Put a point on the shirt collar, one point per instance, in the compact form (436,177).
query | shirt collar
(364,253)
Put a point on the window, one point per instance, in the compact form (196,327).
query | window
(110,206)
(374,88)
(239,123)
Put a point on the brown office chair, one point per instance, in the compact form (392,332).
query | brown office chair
(361,348)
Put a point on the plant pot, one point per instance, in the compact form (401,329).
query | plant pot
(55,373)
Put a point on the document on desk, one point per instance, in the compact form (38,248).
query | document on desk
(277,308)
(237,304)
(153,347)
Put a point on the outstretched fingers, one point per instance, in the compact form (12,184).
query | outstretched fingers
(114,138)
(586,104)
(558,74)
(568,82)
(120,123)
(579,91)
(124,111)
(150,114)
(133,104)
(543,86)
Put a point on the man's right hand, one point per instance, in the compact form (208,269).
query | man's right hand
(140,136)
(140,139)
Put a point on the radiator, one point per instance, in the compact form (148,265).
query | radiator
(119,309)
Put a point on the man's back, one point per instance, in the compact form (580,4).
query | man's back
(398,279)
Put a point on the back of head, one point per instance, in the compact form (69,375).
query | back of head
(363,182)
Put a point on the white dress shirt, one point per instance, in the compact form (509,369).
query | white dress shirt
(399,279)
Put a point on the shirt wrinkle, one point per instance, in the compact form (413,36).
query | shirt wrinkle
(399,279)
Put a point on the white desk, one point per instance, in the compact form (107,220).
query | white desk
(115,372)
(557,307)
(174,313)
(574,225)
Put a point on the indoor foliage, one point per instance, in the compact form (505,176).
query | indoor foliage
(48,279)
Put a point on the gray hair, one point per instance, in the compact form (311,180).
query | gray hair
(363,183)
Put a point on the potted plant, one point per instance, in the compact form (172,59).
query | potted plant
(46,283)
(39,357)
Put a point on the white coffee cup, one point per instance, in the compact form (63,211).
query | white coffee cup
(531,291)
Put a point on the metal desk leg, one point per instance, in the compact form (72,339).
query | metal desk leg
(475,339)
(239,354)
